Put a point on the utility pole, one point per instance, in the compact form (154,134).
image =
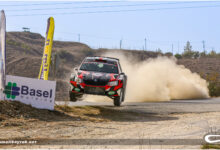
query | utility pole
(203,45)
(145,44)
(120,43)
(79,37)
(178,47)
(172,48)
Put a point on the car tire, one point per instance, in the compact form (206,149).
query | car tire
(75,96)
(72,96)
(124,88)
(119,99)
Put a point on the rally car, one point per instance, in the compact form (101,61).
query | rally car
(99,76)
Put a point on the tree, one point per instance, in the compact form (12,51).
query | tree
(188,52)
(196,54)
(188,47)
(212,53)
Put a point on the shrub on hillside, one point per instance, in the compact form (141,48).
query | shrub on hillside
(168,54)
(187,54)
(178,56)
(191,54)
(203,54)
(214,84)
(214,88)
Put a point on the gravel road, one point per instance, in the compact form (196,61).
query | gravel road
(173,106)
(173,124)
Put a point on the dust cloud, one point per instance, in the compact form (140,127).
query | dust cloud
(158,79)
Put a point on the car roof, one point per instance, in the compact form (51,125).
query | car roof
(103,58)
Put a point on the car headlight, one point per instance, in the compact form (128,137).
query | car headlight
(120,77)
(72,77)
(113,83)
(78,80)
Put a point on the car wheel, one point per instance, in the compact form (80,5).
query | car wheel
(124,88)
(119,99)
(73,97)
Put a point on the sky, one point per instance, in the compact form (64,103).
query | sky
(167,25)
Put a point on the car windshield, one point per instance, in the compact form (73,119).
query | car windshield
(99,67)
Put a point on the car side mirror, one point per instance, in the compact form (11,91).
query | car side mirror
(122,73)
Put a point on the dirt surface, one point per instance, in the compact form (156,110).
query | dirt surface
(100,126)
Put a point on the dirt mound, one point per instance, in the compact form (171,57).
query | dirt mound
(14,113)
(14,109)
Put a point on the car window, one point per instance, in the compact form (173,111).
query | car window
(99,67)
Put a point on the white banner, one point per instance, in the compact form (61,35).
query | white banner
(35,92)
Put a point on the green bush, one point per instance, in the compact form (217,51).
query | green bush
(214,88)
(214,84)
(188,54)
(191,54)
(168,54)
(178,56)
(203,54)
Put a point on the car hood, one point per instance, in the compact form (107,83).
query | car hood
(98,76)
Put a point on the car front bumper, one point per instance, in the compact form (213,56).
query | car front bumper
(107,90)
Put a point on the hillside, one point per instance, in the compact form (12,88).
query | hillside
(25,50)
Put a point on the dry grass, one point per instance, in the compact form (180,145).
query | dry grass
(81,112)
(98,114)
(211,146)
(13,113)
